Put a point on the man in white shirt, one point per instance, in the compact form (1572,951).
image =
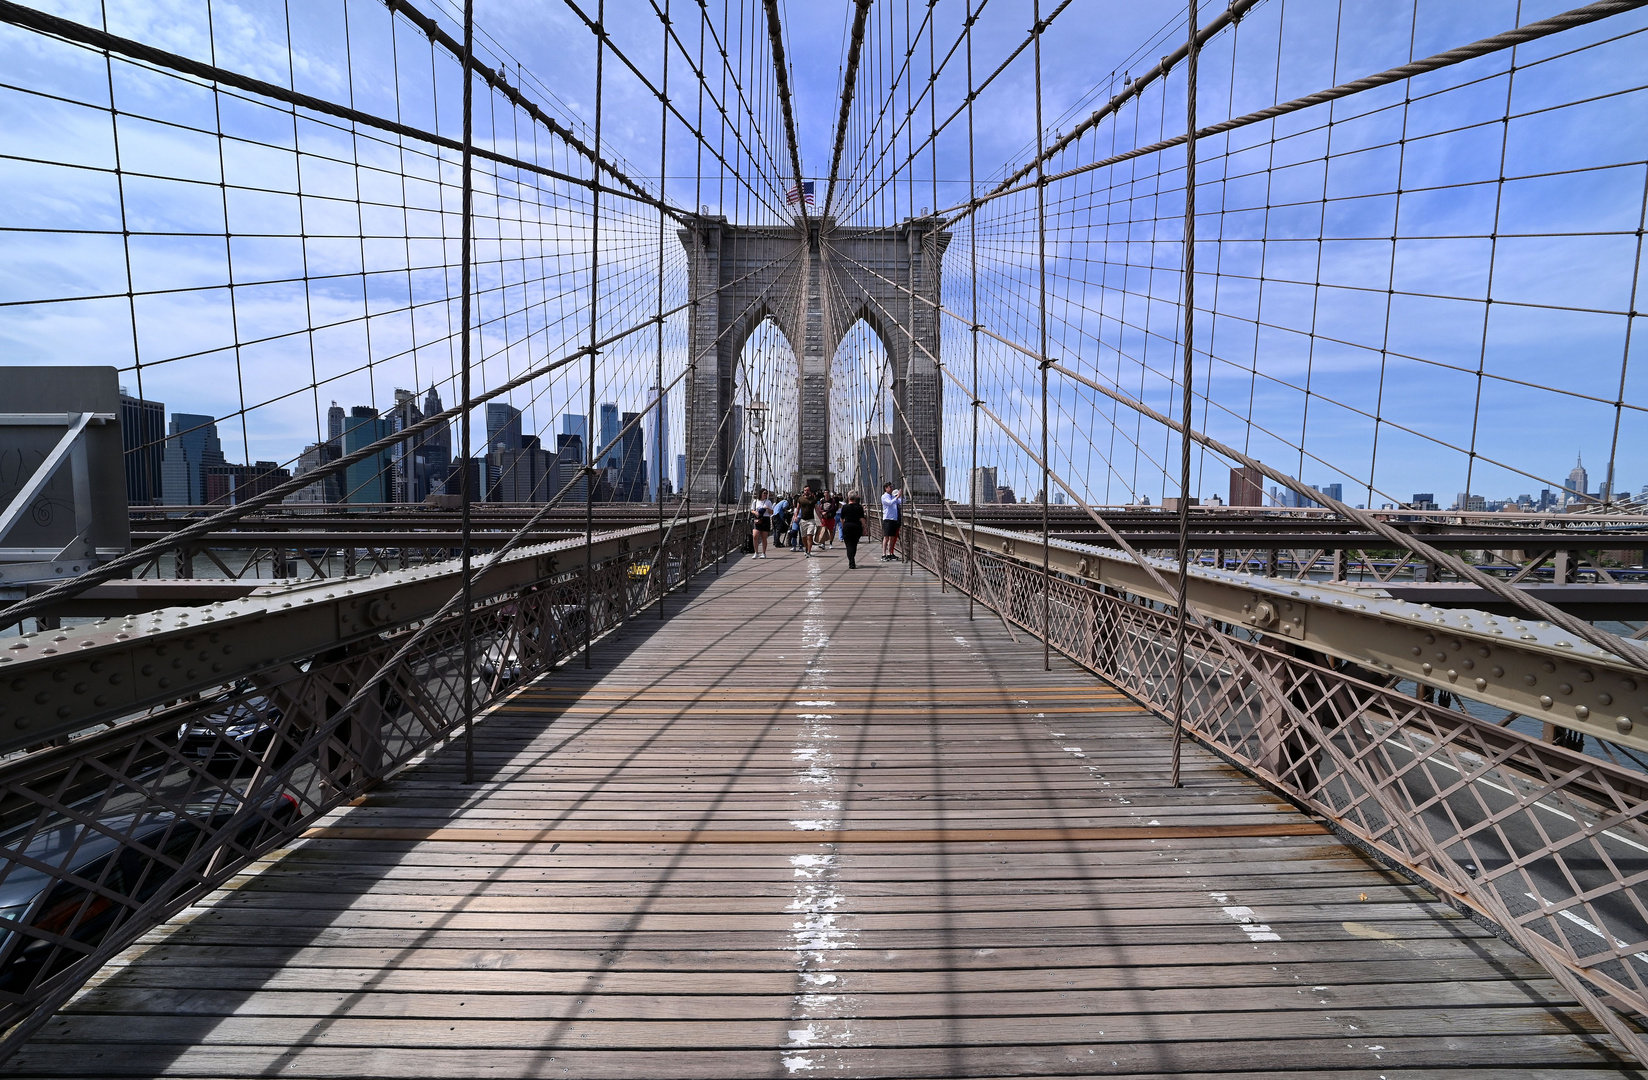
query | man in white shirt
(892,505)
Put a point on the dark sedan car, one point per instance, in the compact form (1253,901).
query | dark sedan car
(48,919)
(229,742)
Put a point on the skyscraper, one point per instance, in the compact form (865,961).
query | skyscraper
(503,426)
(658,442)
(680,473)
(876,465)
(609,436)
(503,432)
(436,448)
(334,426)
(1579,481)
(143,438)
(368,480)
(406,484)
(569,461)
(984,484)
(632,462)
(191,446)
(575,424)
(1247,487)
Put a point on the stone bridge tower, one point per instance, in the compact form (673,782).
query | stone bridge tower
(816,286)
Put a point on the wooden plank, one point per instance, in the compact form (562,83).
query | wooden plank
(819,822)
(817,836)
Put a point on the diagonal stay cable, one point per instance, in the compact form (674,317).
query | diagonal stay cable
(40,22)
(72,587)
(849,85)
(1602,639)
(521,534)
(498,81)
(1582,16)
(775,34)
(925,462)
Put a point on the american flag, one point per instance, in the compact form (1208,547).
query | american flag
(802,192)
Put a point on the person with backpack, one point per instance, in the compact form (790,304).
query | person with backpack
(892,506)
(781,522)
(852,528)
(762,511)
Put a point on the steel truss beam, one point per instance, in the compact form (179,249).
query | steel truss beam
(1529,668)
(1543,840)
(57,682)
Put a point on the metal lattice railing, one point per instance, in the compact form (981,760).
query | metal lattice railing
(104,836)
(1548,843)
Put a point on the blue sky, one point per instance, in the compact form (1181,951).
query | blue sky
(1370,327)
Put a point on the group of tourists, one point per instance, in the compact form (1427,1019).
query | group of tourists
(810,520)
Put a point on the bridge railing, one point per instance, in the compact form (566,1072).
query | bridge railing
(105,832)
(1548,844)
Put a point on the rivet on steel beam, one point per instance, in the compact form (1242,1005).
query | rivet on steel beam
(1482,684)
(1623,724)
(1426,668)
(1581,711)
(1529,679)
(1565,688)
(1606,699)
(1545,700)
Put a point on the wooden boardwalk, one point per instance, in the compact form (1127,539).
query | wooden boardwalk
(819,824)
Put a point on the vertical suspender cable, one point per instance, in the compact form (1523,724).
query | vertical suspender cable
(660,418)
(594,309)
(1041,303)
(1185,402)
(689,408)
(466,495)
(972,260)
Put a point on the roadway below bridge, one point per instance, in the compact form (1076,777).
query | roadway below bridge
(819,823)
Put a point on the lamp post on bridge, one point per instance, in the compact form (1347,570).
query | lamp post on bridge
(756,411)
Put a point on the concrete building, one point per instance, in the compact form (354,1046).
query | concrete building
(318,493)
(608,447)
(876,464)
(192,445)
(368,480)
(229,484)
(1247,487)
(1579,481)
(983,488)
(143,440)
(658,455)
(631,483)
(567,466)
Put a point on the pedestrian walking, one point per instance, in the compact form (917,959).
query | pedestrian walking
(762,510)
(828,507)
(806,512)
(781,521)
(852,528)
(892,506)
(795,524)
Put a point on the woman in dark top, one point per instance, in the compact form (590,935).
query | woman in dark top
(852,528)
(762,509)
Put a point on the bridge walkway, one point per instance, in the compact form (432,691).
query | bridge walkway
(819,823)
